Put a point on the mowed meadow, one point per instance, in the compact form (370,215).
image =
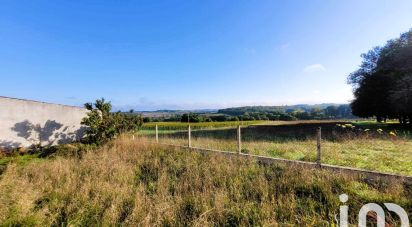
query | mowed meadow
(134,183)
(366,145)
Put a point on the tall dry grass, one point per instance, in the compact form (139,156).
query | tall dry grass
(131,183)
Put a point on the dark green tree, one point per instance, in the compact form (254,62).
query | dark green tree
(191,117)
(382,84)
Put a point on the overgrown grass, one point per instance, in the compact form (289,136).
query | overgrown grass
(23,156)
(352,147)
(130,183)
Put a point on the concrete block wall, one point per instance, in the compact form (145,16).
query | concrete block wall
(25,122)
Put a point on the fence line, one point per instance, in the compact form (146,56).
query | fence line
(318,164)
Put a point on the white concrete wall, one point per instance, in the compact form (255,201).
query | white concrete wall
(25,122)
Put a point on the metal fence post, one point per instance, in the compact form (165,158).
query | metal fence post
(189,135)
(239,140)
(157,134)
(319,140)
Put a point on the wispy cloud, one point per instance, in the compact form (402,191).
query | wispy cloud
(249,50)
(314,68)
(284,46)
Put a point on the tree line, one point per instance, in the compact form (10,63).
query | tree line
(289,113)
(272,113)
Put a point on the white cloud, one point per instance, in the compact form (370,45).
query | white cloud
(314,68)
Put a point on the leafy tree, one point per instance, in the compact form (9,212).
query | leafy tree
(103,125)
(191,117)
(383,83)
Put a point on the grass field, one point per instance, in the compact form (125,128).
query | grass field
(130,183)
(199,125)
(357,145)
(225,124)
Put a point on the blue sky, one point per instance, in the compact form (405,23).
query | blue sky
(187,54)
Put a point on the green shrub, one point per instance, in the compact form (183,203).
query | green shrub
(103,125)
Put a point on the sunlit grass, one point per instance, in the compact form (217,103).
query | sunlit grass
(384,154)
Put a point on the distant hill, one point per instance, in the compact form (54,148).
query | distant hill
(286,112)
(236,111)
(170,113)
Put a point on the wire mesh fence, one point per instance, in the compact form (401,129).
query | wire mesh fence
(340,144)
(259,140)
